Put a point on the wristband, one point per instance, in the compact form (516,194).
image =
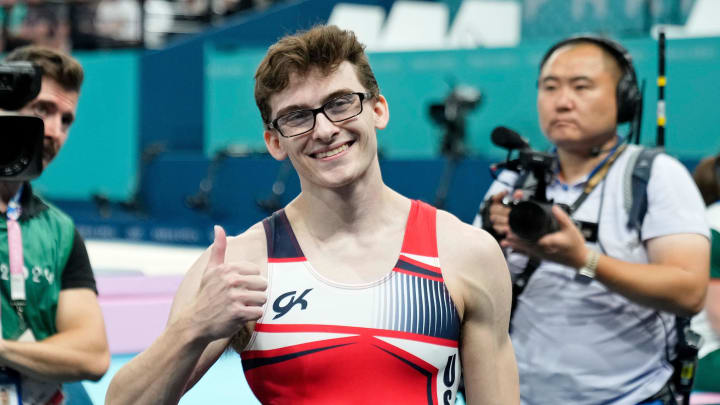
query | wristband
(591,263)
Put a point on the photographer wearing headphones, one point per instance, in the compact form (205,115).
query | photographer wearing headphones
(595,323)
(52,326)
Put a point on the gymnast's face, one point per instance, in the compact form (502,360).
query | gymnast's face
(334,153)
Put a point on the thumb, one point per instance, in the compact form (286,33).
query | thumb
(217,249)
(562,217)
(517,195)
(497,198)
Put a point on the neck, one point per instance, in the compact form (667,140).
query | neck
(575,163)
(8,189)
(357,208)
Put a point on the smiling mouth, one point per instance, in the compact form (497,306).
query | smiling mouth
(332,152)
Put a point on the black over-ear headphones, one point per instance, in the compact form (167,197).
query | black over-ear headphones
(629,97)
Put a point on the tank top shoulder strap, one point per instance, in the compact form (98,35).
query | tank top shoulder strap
(281,241)
(420,233)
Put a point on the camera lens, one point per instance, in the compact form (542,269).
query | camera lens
(12,148)
(531,219)
(22,147)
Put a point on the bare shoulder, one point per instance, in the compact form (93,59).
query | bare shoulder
(247,246)
(250,246)
(461,243)
(473,263)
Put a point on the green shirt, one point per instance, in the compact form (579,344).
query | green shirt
(47,239)
(715,255)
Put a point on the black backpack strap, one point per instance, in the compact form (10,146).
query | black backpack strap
(521,282)
(685,363)
(636,180)
(637,176)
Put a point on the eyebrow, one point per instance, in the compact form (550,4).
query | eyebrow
(571,80)
(296,107)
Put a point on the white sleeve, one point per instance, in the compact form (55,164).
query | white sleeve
(674,202)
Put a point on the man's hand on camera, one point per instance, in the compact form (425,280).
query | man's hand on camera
(499,212)
(566,246)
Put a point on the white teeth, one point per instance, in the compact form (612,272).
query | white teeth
(333,152)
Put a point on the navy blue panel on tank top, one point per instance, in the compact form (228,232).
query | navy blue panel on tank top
(281,242)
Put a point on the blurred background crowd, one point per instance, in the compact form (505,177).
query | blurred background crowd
(109,24)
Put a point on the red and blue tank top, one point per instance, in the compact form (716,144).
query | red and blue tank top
(394,340)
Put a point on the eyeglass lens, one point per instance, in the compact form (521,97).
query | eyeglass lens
(337,109)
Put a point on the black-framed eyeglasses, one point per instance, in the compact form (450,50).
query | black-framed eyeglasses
(340,108)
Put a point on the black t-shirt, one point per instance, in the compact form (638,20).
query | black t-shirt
(78,272)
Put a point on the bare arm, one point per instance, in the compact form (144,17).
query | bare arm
(215,300)
(675,280)
(479,281)
(78,351)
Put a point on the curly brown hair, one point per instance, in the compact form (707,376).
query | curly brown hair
(323,47)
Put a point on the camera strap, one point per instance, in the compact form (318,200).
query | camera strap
(15,253)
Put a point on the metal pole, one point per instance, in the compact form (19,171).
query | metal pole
(661,82)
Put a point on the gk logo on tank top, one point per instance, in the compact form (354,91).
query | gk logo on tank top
(284,309)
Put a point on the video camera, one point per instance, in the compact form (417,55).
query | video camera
(530,218)
(21,142)
(451,114)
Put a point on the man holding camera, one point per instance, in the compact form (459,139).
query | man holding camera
(52,326)
(595,322)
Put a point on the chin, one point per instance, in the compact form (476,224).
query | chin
(338,179)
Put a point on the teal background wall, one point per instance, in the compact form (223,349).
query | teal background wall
(100,155)
(412,81)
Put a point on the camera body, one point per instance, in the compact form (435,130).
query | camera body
(21,137)
(532,217)
(451,114)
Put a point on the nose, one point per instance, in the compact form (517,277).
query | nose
(325,129)
(53,126)
(564,100)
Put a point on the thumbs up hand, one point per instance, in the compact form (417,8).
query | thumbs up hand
(230,294)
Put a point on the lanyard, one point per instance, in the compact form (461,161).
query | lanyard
(597,177)
(15,253)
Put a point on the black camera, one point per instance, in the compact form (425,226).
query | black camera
(21,143)
(532,217)
(685,363)
(451,114)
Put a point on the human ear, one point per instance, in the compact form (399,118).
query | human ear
(381,112)
(272,142)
